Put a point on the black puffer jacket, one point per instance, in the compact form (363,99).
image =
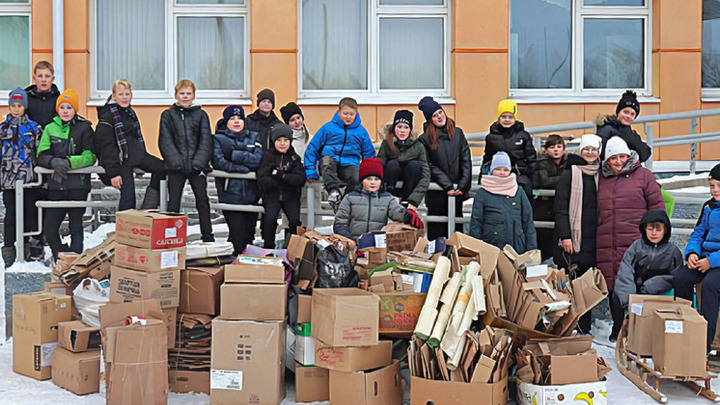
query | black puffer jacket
(262,124)
(185,141)
(450,163)
(41,105)
(547,176)
(517,143)
(609,126)
(106,146)
(289,177)
(586,257)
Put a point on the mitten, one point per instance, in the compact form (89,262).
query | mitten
(413,219)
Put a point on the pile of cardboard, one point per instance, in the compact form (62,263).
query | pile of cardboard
(71,268)
(248,338)
(302,252)
(76,360)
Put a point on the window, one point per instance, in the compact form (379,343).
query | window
(15,48)
(579,47)
(374,48)
(156,43)
(711,47)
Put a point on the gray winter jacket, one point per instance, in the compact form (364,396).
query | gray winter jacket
(646,267)
(363,211)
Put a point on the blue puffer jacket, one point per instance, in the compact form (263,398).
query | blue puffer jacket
(705,238)
(347,144)
(237,152)
(19,138)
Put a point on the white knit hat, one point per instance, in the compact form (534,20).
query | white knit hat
(616,146)
(591,140)
(500,159)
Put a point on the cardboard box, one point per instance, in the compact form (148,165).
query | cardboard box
(345,317)
(423,391)
(400,237)
(251,269)
(399,312)
(247,362)
(131,285)
(355,358)
(530,394)
(35,335)
(200,290)
(465,245)
(259,302)
(109,348)
(678,342)
(182,381)
(378,387)
(76,336)
(311,384)
(170,320)
(78,373)
(112,315)
(304,306)
(304,345)
(301,253)
(571,360)
(150,260)
(152,230)
(641,309)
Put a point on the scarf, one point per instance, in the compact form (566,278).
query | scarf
(118,126)
(506,186)
(576,199)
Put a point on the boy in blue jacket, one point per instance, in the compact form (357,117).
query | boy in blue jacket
(339,145)
(703,259)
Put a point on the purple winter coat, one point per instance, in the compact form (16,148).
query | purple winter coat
(622,201)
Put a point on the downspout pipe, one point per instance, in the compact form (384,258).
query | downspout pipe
(58,25)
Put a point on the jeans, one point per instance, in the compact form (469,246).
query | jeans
(409,172)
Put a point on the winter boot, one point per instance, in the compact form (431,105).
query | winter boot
(151,200)
(37,251)
(8,254)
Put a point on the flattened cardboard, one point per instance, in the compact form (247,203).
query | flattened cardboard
(76,336)
(345,317)
(35,319)
(149,260)
(78,373)
(466,245)
(266,271)
(399,312)
(678,341)
(304,308)
(260,302)
(152,230)
(641,309)
(531,394)
(423,391)
(377,387)
(354,358)
(183,381)
(311,384)
(200,290)
(247,362)
(128,285)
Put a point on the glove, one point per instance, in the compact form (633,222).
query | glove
(413,219)
(277,174)
(60,168)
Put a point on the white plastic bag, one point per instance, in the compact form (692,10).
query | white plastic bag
(89,296)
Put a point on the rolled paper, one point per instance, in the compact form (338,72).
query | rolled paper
(429,312)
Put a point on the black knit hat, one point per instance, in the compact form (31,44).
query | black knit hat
(403,117)
(288,110)
(715,172)
(233,110)
(266,94)
(428,106)
(280,130)
(628,99)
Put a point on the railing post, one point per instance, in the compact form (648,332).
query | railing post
(19,222)
(451,215)
(650,141)
(163,195)
(311,205)
(693,146)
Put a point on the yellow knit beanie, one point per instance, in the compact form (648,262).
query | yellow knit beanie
(507,106)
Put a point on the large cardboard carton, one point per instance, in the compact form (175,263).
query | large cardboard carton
(345,317)
(76,336)
(259,302)
(353,358)
(78,373)
(251,269)
(200,290)
(170,320)
(678,341)
(424,391)
(641,320)
(311,384)
(182,381)
(35,335)
(247,362)
(571,360)
(400,237)
(128,285)
(150,260)
(377,387)
(152,230)
(304,305)
(112,315)
(592,393)
(399,312)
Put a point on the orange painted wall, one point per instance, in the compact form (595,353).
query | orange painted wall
(479,67)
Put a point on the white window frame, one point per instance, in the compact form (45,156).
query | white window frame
(174,11)
(373,94)
(576,92)
(709,94)
(18,10)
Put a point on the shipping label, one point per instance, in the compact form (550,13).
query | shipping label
(226,380)
(674,327)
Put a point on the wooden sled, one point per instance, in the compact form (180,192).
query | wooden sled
(647,379)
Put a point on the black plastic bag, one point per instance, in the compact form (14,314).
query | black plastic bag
(335,269)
